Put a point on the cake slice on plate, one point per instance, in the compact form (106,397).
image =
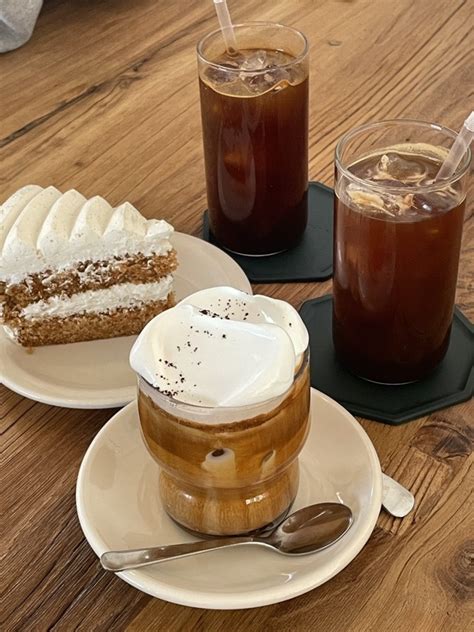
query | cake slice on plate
(73,269)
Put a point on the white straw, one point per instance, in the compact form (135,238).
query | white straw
(458,149)
(225,23)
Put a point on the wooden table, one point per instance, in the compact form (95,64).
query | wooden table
(104,99)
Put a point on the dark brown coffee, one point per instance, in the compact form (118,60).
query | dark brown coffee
(255,131)
(395,267)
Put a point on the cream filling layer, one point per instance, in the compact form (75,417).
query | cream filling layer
(122,295)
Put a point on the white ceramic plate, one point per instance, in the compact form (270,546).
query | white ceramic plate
(119,508)
(96,374)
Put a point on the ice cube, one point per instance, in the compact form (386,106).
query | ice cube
(219,75)
(255,61)
(422,203)
(397,168)
(281,85)
(380,203)
(258,83)
(434,202)
(382,170)
(280,78)
(366,200)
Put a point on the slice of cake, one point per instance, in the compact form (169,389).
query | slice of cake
(73,269)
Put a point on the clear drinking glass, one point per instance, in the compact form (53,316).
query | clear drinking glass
(397,239)
(227,471)
(254,107)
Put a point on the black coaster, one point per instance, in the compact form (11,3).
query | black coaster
(452,382)
(310,260)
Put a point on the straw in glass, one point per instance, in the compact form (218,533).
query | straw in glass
(225,23)
(458,149)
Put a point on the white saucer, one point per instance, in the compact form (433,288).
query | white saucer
(96,374)
(119,508)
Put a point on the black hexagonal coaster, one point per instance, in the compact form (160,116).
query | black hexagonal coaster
(310,260)
(452,382)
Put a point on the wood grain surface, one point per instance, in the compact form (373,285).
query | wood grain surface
(104,98)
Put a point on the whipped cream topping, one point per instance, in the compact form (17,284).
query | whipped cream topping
(198,356)
(229,303)
(42,229)
(123,295)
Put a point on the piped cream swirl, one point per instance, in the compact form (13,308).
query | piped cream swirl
(43,229)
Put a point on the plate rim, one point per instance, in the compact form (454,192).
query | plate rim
(67,402)
(219,601)
(124,395)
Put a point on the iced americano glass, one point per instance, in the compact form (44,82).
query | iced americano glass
(254,107)
(397,238)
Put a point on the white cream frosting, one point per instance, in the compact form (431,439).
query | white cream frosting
(199,357)
(233,304)
(124,295)
(42,229)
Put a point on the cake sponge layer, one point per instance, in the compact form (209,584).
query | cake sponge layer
(88,326)
(86,276)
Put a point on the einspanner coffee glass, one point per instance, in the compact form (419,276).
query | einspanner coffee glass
(227,470)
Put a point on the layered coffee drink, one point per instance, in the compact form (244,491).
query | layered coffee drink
(224,397)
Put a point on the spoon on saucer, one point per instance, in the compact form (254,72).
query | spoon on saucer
(307,530)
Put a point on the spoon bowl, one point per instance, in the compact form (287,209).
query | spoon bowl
(307,530)
(311,529)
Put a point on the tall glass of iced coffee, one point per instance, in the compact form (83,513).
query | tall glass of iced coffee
(397,239)
(254,107)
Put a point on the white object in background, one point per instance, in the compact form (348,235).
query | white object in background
(17,21)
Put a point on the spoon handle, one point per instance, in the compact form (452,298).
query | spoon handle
(124,560)
(396,499)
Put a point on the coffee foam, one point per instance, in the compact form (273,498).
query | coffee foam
(197,356)
(232,304)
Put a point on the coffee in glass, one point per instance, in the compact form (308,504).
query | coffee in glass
(223,401)
(396,249)
(254,107)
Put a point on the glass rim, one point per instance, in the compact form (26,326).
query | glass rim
(179,403)
(213,64)
(435,186)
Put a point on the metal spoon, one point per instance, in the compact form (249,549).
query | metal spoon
(396,499)
(307,530)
